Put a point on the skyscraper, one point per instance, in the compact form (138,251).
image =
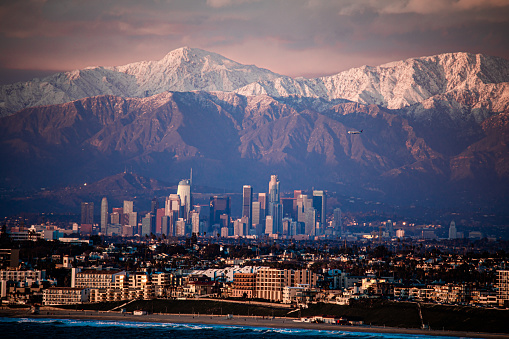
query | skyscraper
(87,213)
(247,209)
(338,222)
(256,213)
(273,190)
(310,228)
(275,207)
(154,205)
(320,205)
(128,207)
(453,232)
(184,192)
(262,199)
(218,206)
(104,216)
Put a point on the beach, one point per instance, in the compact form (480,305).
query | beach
(234,320)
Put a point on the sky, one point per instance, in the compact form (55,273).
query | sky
(291,37)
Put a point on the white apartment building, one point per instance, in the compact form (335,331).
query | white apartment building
(65,296)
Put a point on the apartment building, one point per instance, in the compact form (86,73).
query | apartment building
(97,279)
(270,283)
(65,295)
(244,285)
(503,287)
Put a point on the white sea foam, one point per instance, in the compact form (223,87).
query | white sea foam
(222,328)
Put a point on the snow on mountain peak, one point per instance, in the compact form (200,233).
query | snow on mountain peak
(183,69)
(474,80)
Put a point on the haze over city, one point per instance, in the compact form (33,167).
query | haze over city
(298,167)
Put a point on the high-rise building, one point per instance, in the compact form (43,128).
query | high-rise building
(273,190)
(275,207)
(180,227)
(288,207)
(218,206)
(154,206)
(87,213)
(184,192)
(320,205)
(173,205)
(338,222)
(264,203)
(195,223)
(247,209)
(239,227)
(147,227)
(310,228)
(269,225)
(104,216)
(167,226)
(160,213)
(128,207)
(453,232)
(256,213)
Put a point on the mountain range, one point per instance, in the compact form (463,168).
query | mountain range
(434,129)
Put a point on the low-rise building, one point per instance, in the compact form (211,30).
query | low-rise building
(65,295)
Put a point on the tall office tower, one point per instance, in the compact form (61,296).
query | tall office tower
(172,205)
(288,207)
(286,226)
(147,227)
(224,220)
(310,228)
(273,191)
(218,206)
(195,222)
(275,207)
(128,207)
(239,227)
(269,225)
(115,218)
(104,216)
(453,232)
(184,192)
(87,213)
(320,205)
(180,227)
(303,203)
(204,214)
(264,202)
(167,226)
(160,213)
(338,222)
(247,209)
(389,228)
(256,213)
(133,219)
(154,205)
(296,195)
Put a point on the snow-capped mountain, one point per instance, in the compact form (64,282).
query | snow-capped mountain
(477,82)
(184,69)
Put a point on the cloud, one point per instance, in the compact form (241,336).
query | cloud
(291,37)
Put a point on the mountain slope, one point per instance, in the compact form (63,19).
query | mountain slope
(478,82)
(225,133)
(184,69)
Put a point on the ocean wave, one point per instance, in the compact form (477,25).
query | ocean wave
(214,330)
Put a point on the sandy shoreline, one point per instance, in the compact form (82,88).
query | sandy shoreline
(236,321)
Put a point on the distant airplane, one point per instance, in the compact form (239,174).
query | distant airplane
(355,132)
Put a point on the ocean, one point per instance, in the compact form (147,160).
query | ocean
(64,328)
